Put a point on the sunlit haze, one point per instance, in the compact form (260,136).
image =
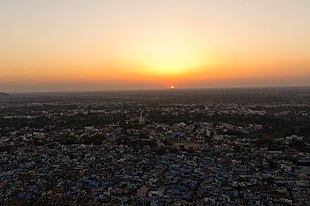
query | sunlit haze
(77,45)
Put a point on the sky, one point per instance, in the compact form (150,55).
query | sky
(78,45)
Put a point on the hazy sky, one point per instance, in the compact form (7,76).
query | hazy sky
(65,45)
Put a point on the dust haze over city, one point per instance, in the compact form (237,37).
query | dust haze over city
(169,102)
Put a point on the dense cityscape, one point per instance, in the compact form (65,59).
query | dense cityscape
(191,147)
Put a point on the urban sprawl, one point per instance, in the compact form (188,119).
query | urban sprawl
(90,151)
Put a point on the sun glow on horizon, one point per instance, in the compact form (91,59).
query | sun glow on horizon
(101,45)
(168,53)
(172,61)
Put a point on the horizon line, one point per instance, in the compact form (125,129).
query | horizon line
(155,89)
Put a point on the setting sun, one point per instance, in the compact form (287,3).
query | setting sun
(102,45)
(172,87)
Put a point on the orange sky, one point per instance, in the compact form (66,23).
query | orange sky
(71,45)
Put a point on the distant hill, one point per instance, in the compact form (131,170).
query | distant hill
(2,94)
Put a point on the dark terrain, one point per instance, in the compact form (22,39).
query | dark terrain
(161,147)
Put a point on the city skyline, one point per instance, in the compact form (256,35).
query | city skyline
(103,45)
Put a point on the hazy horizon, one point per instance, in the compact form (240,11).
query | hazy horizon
(155,90)
(55,46)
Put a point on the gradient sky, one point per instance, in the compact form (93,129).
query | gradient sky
(78,45)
